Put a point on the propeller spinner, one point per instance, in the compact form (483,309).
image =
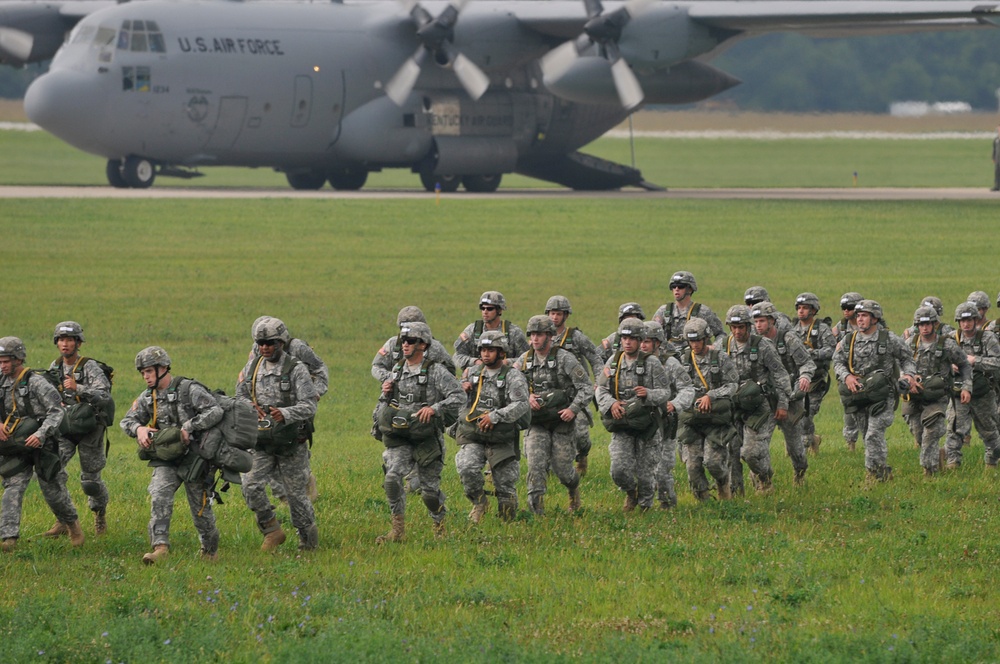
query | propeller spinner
(436,36)
(604,30)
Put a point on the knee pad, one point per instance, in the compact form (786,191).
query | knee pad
(91,487)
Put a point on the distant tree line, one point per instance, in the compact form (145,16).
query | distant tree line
(788,72)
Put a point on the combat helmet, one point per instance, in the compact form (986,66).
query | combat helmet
(541,323)
(869,306)
(808,299)
(967,310)
(152,356)
(630,310)
(755,294)
(271,328)
(850,300)
(739,314)
(68,328)
(654,331)
(410,314)
(13,347)
(980,299)
(695,329)
(492,298)
(925,314)
(493,339)
(684,278)
(416,330)
(632,327)
(558,303)
(931,301)
(764,309)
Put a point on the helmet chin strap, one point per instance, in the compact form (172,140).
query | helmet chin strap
(159,376)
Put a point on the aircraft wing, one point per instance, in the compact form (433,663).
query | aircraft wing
(31,31)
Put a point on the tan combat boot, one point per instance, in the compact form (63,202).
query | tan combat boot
(942,458)
(851,446)
(581,466)
(398,532)
(274,536)
(8,545)
(725,493)
(159,552)
(100,522)
(800,477)
(574,498)
(75,533)
(817,439)
(478,510)
(507,508)
(311,491)
(631,501)
(58,530)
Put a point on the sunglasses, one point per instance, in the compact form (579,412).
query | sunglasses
(267,342)
(484,308)
(410,340)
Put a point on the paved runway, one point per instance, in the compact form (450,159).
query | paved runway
(819,194)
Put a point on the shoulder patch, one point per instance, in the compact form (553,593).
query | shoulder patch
(382,351)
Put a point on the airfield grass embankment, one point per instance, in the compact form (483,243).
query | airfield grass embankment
(833,571)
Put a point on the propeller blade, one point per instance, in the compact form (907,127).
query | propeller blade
(557,62)
(593,7)
(16,44)
(401,84)
(629,91)
(470,76)
(638,7)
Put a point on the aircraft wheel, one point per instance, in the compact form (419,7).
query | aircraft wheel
(481,184)
(449,183)
(306,180)
(138,172)
(114,173)
(348,180)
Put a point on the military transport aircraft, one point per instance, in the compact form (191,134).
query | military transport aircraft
(459,94)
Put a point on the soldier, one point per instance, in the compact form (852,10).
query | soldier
(673,315)
(630,390)
(761,399)
(680,398)
(492,304)
(844,328)
(941,328)
(926,405)
(994,325)
(612,343)
(705,429)
(817,336)
(320,374)
(29,439)
(489,428)
(801,369)
(865,362)
(982,350)
(83,384)
(166,419)
(559,390)
(420,401)
(757,294)
(558,310)
(282,392)
(982,302)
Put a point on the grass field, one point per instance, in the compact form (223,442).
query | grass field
(828,572)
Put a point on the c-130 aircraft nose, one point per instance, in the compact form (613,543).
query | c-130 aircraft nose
(69,105)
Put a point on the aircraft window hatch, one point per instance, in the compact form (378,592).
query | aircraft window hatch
(141,37)
(83,34)
(139,43)
(136,79)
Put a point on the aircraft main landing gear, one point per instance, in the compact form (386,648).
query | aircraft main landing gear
(348,180)
(306,180)
(134,172)
(449,183)
(481,184)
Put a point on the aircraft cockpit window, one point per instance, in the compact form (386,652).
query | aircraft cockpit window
(83,34)
(104,41)
(140,37)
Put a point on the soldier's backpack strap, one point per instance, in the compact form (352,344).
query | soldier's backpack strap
(285,382)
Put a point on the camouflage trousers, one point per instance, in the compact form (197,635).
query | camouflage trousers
(633,464)
(399,461)
(277,487)
(709,451)
(554,448)
(874,428)
(755,449)
(961,416)
(162,488)
(928,426)
(92,462)
(809,419)
(664,473)
(794,443)
(853,427)
(470,462)
(292,472)
(12,503)
(581,433)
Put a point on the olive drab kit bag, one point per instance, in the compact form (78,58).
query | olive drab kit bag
(83,417)
(19,424)
(278,438)
(639,419)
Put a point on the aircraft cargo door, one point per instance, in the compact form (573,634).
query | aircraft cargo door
(302,102)
(232,113)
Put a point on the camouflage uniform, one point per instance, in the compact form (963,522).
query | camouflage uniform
(92,385)
(263,388)
(611,344)
(708,445)
(672,318)
(465,346)
(195,414)
(681,395)
(391,352)
(861,355)
(441,393)
(505,401)
(40,400)
(757,360)
(844,327)
(586,353)
(634,455)
(982,409)
(819,341)
(927,418)
(553,443)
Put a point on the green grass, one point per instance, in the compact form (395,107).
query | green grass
(29,158)
(826,573)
